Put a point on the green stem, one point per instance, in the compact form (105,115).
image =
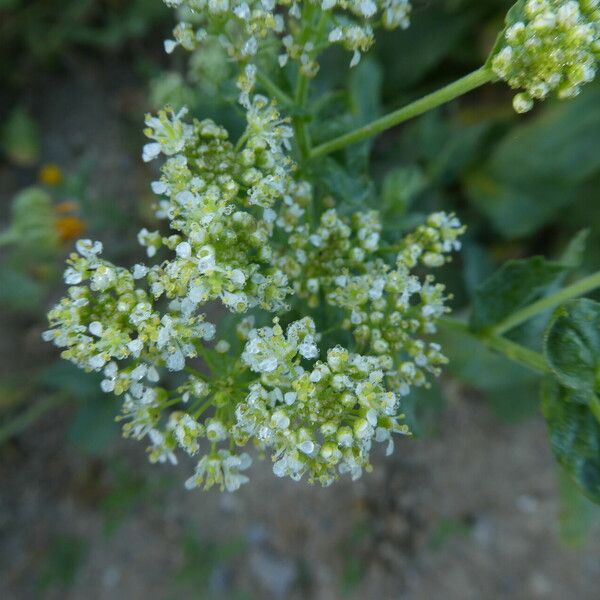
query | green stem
(515,352)
(572,291)
(450,92)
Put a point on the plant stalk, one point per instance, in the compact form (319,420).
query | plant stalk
(450,92)
(513,351)
(578,288)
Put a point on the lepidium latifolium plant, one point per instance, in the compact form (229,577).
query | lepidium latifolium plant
(247,226)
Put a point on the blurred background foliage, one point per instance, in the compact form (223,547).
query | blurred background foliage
(526,186)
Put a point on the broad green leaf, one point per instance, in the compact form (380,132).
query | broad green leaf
(541,167)
(413,53)
(560,145)
(574,436)
(572,346)
(518,209)
(515,285)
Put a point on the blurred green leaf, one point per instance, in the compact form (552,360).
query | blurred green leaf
(417,50)
(572,346)
(515,285)
(574,436)
(540,167)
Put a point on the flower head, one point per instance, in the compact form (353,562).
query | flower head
(549,47)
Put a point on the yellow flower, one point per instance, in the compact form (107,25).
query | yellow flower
(51,175)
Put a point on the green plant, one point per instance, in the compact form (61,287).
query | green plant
(286,238)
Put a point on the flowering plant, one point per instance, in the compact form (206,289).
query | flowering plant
(335,324)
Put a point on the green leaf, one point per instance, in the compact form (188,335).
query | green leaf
(515,285)
(541,167)
(572,346)
(414,52)
(574,436)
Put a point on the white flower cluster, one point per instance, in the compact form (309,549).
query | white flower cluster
(550,46)
(241,232)
(210,192)
(219,202)
(298,28)
(386,307)
(320,420)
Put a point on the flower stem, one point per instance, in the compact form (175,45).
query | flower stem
(572,291)
(450,92)
(515,352)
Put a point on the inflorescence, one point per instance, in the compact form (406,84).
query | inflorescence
(550,46)
(240,234)
(284,30)
(246,231)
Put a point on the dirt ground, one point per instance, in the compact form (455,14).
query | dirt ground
(470,513)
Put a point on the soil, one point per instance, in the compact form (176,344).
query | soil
(469,513)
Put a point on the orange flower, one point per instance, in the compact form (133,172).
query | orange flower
(69,228)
